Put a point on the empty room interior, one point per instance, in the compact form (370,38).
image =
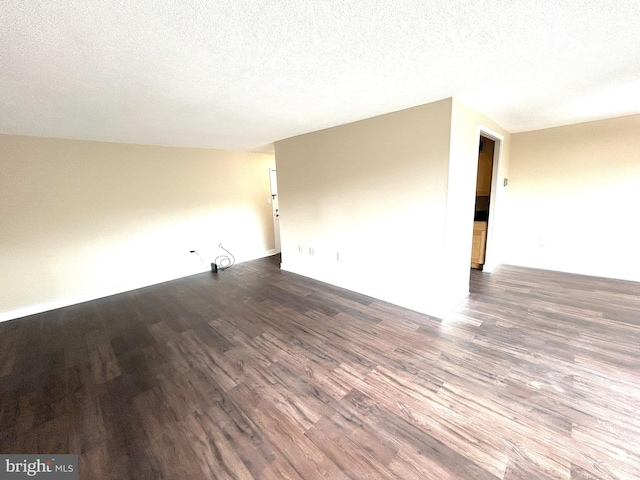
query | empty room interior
(334,240)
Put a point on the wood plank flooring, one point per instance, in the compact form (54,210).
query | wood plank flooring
(260,373)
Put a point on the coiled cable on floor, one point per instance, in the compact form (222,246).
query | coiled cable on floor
(224,261)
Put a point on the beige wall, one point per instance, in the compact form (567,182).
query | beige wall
(376,193)
(576,189)
(81,219)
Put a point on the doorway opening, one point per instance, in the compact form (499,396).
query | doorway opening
(483,200)
(489,154)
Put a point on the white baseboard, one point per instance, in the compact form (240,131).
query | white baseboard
(268,253)
(87,297)
(490,267)
(452,304)
(438,309)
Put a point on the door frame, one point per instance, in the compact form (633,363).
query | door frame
(275,207)
(491,257)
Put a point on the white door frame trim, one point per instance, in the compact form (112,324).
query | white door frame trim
(491,256)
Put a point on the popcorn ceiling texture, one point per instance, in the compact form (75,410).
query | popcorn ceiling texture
(240,74)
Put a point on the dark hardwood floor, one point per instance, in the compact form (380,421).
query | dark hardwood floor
(259,373)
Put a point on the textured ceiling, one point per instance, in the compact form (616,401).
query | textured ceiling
(240,74)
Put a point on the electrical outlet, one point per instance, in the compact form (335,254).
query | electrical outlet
(541,242)
(300,249)
(312,251)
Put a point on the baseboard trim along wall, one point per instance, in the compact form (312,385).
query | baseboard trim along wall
(439,309)
(66,302)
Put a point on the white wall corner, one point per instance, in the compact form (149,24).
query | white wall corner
(449,303)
